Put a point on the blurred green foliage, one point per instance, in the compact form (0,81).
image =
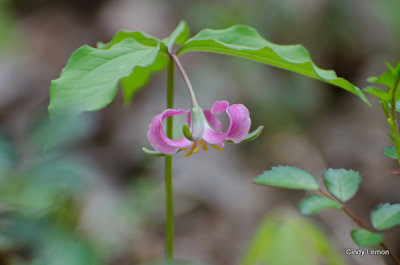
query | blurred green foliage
(283,238)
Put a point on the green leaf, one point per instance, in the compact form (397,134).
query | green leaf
(365,238)
(180,34)
(382,95)
(139,36)
(244,41)
(140,76)
(90,79)
(385,216)
(313,204)
(289,239)
(387,79)
(288,177)
(391,152)
(343,184)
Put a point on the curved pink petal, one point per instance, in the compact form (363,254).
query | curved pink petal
(159,140)
(239,122)
(212,120)
(219,107)
(239,126)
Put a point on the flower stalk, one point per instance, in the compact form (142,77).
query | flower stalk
(186,78)
(169,203)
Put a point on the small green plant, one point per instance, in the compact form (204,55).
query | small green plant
(90,82)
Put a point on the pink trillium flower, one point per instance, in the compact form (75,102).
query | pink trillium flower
(204,128)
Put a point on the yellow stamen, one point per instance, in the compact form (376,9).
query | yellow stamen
(204,145)
(198,145)
(217,147)
(184,149)
(191,150)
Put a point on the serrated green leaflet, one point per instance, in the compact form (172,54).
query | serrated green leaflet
(179,35)
(385,216)
(244,41)
(90,79)
(313,204)
(390,152)
(365,238)
(343,184)
(288,177)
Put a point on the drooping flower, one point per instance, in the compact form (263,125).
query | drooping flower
(204,128)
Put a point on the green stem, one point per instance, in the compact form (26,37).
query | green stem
(169,203)
(393,121)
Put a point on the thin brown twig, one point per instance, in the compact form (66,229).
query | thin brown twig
(361,224)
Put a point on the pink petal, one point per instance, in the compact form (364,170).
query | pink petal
(214,122)
(159,140)
(239,122)
(219,106)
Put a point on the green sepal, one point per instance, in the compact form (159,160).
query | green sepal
(186,132)
(366,238)
(251,136)
(152,152)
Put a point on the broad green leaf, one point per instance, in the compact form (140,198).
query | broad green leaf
(288,177)
(343,184)
(139,36)
(140,76)
(391,152)
(244,41)
(387,79)
(313,204)
(90,79)
(289,239)
(385,216)
(180,34)
(382,95)
(365,238)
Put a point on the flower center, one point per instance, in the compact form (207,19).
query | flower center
(196,147)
